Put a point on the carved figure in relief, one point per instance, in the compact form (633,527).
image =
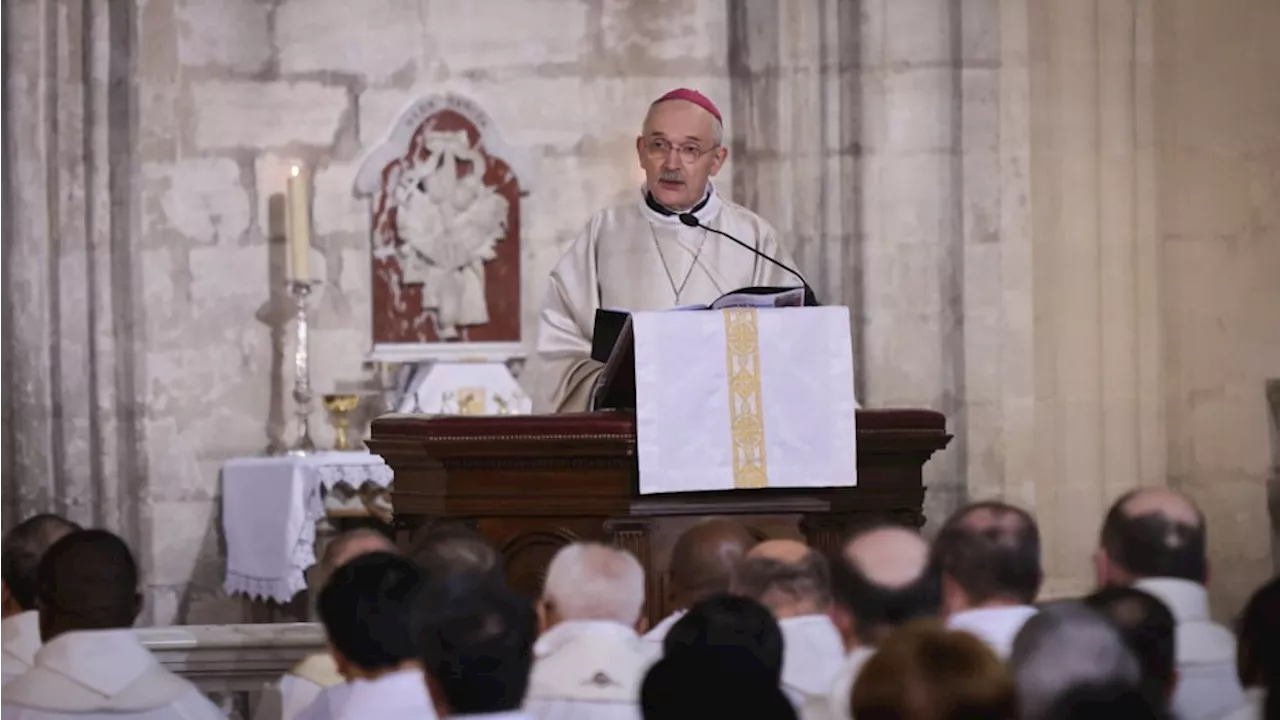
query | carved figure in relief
(449,220)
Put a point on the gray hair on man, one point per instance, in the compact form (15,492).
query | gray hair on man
(590,581)
(1065,645)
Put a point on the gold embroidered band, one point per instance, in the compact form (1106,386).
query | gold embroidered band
(746,403)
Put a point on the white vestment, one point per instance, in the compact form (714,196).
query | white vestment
(587,669)
(631,257)
(812,652)
(835,705)
(299,687)
(995,626)
(658,633)
(19,641)
(1208,686)
(400,694)
(102,674)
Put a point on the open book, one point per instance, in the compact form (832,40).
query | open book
(613,341)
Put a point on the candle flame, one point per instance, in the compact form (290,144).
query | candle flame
(294,171)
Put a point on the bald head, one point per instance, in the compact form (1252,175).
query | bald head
(1152,532)
(350,545)
(704,557)
(786,576)
(882,579)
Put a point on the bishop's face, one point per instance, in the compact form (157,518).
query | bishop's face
(680,150)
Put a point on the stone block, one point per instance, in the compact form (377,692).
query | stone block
(240,114)
(980,111)
(185,531)
(690,31)
(915,199)
(918,110)
(335,206)
(372,40)
(1208,194)
(223,34)
(229,281)
(201,199)
(468,38)
(917,32)
(979,31)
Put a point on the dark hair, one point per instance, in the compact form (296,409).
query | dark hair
(88,580)
(991,560)
(23,547)
(451,548)
(764,577)
(730,631)
(477,644)
(1259,646)
(366,607)
(1105,701)
(1147,626)
(1152,545)
(878,609)
(688,687)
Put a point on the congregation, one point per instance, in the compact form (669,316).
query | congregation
(890,627)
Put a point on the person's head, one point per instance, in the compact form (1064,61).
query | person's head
(923,671)
(347,546)
(366,608)
(20,557)
(454,549)
(704,557)
(989,555)
(88,580)
(476,643)
(1152,532)
(590,581)
(1105,701)
(1258,651)
(786,576)
(882,579)
(681,147)
(730,631)
(687,687)
(1147,626)
(1064,645)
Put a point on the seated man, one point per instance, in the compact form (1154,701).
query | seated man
(23,547)
(313,674)
(794,582)
(882,580)
(92,663)
(1154,539)
(476,643)
(366,609)
(989,555)
(589,661)
(702,563)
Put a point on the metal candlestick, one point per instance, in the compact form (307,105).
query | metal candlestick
(302,396)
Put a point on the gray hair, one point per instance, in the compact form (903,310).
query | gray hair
(777,584)
(1065,645)
(590,581)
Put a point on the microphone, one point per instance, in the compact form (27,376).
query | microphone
(810,299)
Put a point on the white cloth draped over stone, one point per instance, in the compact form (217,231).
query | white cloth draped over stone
(102,674)
(587,669)
(618,263)
(20,640)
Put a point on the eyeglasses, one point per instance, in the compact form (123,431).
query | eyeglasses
(660,149)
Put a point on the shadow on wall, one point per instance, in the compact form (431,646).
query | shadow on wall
(1273,485)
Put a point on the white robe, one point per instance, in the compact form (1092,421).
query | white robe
(995,626)
(812,653)
(835,705)
(1208,687)
(657,635)
(299,688)
(618,263)
(102,674)
(19,641)
(401,694)
(587,669)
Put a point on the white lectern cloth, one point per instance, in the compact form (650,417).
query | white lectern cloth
(745,398)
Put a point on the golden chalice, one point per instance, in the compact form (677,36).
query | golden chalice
(340,406)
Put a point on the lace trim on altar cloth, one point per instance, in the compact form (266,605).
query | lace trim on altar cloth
(280,590)
(353,475)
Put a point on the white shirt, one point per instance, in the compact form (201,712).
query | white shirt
(102,674)
(632,257)
(19,641)
(298,689)
(835,704)
(995,626)
(658,633)
(587,669)
(401,694)
(1255,704)
(1208,686)
(812,653)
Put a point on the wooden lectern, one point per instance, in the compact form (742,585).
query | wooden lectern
(533,483)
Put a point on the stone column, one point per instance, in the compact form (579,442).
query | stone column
(72,409)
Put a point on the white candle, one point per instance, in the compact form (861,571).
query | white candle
(299,225)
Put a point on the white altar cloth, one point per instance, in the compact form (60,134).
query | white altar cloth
(270,506)
(763,397)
